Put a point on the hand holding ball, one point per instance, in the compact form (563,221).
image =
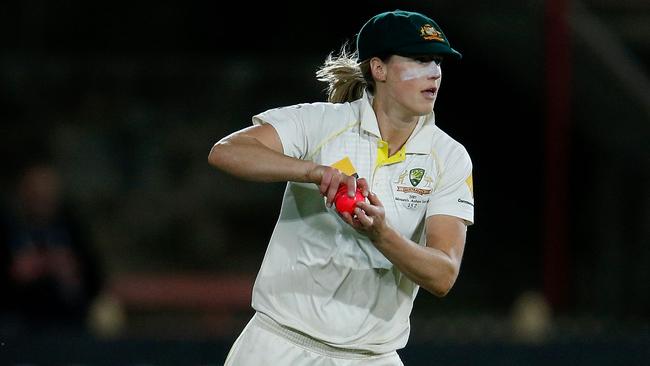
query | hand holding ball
(345,203)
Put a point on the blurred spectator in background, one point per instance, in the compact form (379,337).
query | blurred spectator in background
(48,273)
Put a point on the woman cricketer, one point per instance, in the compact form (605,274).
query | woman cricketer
(338,288)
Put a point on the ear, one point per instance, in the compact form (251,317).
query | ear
(378,69)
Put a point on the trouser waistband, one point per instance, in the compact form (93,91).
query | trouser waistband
(310,343)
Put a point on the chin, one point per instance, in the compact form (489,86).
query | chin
(424,109)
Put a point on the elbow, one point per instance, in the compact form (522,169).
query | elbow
(439,289)
(441,292)
(215,157)
(442,284)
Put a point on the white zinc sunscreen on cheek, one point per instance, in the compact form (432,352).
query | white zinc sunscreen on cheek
(428,70)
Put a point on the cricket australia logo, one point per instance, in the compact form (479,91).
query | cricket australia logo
(420,186)
(415,176)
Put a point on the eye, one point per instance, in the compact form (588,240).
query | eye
(428,58)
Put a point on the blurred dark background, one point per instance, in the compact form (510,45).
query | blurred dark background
(125,100)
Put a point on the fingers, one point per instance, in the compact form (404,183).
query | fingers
(368,217)
(368,209)
(370,213)
(373,206)
(351,182)
(374,200)
(364,219)
(325,181)
(351,220)
(332,188)
(329,183)
(362,183)
(332,178)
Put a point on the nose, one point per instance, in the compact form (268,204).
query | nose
(429,71)
(434,71)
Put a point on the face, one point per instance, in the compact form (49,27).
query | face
(411,83)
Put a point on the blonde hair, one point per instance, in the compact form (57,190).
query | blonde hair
(346,77)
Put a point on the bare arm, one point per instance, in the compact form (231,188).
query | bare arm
(256,153)
(434,267)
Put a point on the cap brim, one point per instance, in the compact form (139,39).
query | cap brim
(429,49)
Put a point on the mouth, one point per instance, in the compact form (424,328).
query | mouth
(430,93)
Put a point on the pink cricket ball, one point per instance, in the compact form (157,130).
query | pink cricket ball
(345,203)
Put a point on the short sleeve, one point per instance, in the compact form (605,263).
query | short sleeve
(296,125)
(454,192)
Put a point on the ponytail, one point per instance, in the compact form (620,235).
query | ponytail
(346,77)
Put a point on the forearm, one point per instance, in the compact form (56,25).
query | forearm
(247,158)
(430,268)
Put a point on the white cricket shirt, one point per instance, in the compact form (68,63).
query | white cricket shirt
(321,277)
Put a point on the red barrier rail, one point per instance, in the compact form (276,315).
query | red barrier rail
(196,291)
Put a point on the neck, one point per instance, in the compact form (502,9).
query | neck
(395,125)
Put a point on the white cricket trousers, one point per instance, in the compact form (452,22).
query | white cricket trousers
(265,342)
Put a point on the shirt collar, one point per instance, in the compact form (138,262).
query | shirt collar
(420,141)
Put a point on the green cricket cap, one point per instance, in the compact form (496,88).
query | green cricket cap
(403,33)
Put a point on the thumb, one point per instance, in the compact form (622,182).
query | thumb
(374,200)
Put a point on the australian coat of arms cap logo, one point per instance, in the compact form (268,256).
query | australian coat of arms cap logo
(429,33)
